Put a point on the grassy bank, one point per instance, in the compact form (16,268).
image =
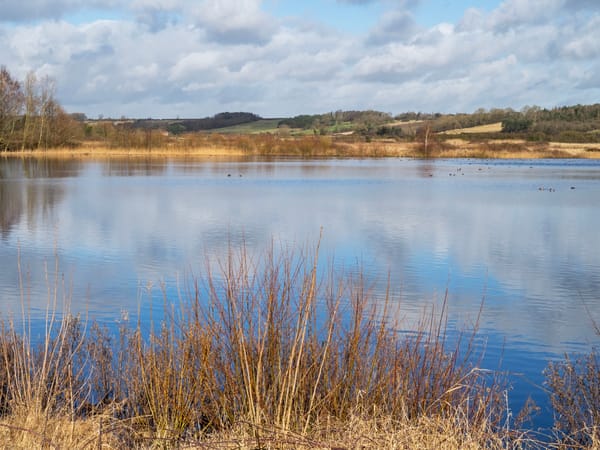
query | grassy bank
(251,145)
(271,353)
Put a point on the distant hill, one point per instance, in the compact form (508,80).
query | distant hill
(578,123)
(176,126)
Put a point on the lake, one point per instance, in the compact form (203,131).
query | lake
(520,236)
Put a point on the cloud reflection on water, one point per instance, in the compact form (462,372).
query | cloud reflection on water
(477,229)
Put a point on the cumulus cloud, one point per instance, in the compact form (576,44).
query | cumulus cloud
(195,58)
(472,20)
(158,14)
(47,9)
(512,13)
(584,43)
(233,21)
(396,25)
(584,4)
(157,19)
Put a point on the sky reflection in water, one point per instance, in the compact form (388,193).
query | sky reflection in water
(491,231)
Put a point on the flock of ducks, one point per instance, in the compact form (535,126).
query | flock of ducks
(550,189)
(459,170)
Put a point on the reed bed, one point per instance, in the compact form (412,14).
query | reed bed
(214,145)
(271,352)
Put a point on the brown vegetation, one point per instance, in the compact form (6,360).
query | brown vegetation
(261,354)
(488,128)
(271,353)
(32,123)
(265,145)
(30,116)
(575,394)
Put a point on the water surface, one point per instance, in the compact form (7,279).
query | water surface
(520,236)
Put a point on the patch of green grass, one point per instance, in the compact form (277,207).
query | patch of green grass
(260,126)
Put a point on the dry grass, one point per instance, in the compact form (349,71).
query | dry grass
(214,146)
(33,432)
(269,353)
(489,128)
(516,149)
(591,150)
(260,353)
(99,152)
(574,386)
(356,432)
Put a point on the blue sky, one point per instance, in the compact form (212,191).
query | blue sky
(359,17)
(190,58)
(349,18)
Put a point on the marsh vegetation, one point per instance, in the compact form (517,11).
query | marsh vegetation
(271,353)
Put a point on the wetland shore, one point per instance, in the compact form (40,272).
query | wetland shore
(252,146)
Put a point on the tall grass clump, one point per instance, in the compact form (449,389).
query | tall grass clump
(575,395)
(574,386)
(42,373)
(274,344)
(260,352)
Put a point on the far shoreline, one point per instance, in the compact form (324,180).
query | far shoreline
(285,148)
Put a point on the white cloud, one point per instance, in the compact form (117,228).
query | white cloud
(395,25)
(199,65)
(210,56)
(233,21)
(47,9)
(512,13)
(584,42)
(588,78)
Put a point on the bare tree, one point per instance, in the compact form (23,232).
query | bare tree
(426,138)
(11,106)
(30,116)
(31,109)
(46,88)
(63,129)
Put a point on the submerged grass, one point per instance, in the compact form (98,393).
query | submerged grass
(267,353)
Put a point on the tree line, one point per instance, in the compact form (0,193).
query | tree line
(338,121)
(179,126)
(575,123)
(30,115)
(31,118)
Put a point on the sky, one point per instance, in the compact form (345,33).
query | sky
(276,58)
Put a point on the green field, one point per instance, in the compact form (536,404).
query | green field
(259,126)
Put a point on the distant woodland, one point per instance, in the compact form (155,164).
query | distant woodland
(32,118)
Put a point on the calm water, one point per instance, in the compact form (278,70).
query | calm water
(522,236)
